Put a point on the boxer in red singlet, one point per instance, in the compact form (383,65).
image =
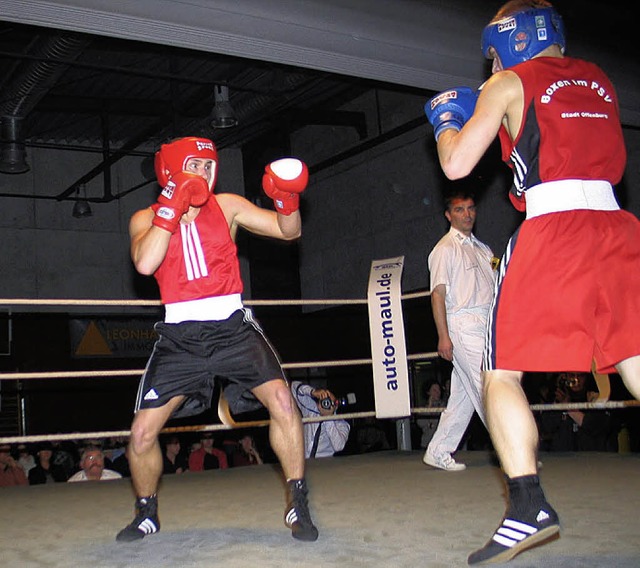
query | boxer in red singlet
(187,242)
(568,289)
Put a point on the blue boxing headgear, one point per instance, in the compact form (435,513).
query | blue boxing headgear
(521,36)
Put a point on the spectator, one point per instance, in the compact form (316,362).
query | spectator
(575,429)
(245,452)
(321,439)
(207,456)
(371,437)
(173,460)
(92,467)
(46,470)
(429,422)
(115,455)
(11,472)
(114,449)
(121,465)
(25,458)
(65,457)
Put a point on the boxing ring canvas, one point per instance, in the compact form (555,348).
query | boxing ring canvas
(382,509)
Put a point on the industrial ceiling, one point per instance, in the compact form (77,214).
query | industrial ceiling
(121,77)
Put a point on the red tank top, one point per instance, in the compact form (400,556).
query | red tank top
(202,259)
(570,128)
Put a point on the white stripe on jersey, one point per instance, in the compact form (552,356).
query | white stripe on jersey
(519,171)
(192,252)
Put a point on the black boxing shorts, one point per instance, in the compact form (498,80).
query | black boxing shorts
(189,357)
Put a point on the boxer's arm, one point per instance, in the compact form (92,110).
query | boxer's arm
(338,433)
(439,310)
(284,180)
(240,212)
(459,152)
(151,231)
(149,244)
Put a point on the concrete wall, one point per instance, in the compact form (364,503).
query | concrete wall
(50,254)
(386,202)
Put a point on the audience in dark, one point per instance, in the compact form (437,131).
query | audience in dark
(561,430)
(575,429)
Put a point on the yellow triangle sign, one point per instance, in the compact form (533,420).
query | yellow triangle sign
(93,343)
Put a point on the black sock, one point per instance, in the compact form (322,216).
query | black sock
(148,504)
(525,494)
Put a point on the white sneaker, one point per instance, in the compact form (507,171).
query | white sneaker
(445,461)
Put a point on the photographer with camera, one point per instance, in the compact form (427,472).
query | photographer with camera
(321,439)
(575,429)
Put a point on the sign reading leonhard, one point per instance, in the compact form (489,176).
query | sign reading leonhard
(388,347)
(112,337)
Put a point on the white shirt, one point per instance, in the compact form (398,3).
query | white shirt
(107,474)
(463,265)
(333,433)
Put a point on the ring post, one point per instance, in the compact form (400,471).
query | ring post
(388,347)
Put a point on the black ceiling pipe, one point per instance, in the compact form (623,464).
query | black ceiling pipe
(13,155)
(25,87)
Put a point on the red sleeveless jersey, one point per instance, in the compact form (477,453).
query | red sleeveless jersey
(202,259)
(570,128)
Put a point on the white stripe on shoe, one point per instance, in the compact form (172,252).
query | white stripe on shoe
(147,526)
(512,532)
(291,517)
(516,537)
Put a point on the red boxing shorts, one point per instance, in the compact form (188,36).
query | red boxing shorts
(568,292)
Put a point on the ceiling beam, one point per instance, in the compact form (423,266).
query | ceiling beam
(429,44)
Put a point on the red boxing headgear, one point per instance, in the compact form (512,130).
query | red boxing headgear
(173,157)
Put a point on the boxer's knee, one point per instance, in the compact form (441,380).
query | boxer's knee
(279,400)
(144,435)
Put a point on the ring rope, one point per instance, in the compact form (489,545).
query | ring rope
(70,374)
(214,427)
(611,404)
(71,302)
(130,372)
(260,423)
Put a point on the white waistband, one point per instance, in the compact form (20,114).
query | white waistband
(216,308)
(568,195)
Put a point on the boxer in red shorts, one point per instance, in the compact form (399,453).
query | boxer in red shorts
(568,288)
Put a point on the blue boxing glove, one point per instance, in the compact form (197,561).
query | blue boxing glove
(451,109)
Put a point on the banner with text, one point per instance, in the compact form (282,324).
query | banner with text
(388,347)
(112,337)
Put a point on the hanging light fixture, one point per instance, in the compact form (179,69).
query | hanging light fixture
(81,207)
(223,114)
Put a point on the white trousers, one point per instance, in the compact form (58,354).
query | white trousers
(467,333)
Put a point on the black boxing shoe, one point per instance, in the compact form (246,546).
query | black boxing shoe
(145,522)
(517,534)
(297,516)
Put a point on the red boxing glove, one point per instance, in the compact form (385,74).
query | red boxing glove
(283,181)
(182,190)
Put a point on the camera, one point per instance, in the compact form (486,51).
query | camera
(327,403)
(567,381)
